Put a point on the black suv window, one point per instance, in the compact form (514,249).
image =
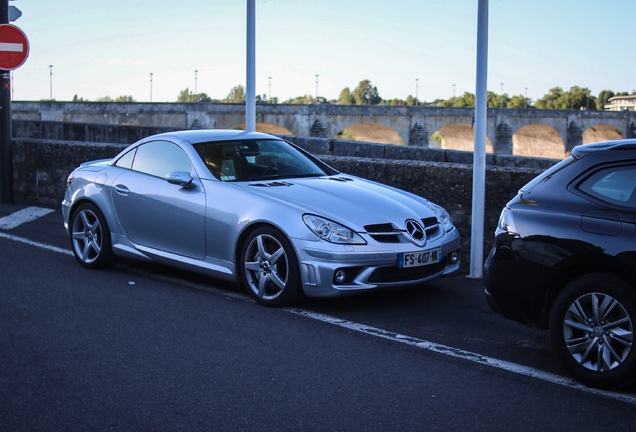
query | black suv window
(614,185)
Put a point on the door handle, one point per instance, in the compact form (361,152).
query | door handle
(122,190)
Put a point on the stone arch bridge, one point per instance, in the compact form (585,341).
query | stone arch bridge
(523,132)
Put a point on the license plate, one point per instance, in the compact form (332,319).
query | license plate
(421,258)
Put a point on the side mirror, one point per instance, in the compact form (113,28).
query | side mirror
(180,178)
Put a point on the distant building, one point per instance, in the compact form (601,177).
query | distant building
(622,103)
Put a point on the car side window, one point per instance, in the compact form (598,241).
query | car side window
(126,160)
(614,185)
(158,158)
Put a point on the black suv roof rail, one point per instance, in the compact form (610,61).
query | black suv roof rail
(581,151)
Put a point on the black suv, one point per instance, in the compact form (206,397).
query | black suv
(564,259)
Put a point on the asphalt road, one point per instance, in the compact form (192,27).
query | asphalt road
(142,347)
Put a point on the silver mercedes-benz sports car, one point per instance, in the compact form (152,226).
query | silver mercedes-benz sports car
(255,209)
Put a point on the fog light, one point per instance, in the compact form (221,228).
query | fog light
(340,276)
(454,257)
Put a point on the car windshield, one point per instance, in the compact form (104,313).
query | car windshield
(259,160)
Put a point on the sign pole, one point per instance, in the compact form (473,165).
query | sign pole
(6,149)
(250,82)
(479,154)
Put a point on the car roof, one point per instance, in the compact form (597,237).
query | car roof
(585,149)
(195,136)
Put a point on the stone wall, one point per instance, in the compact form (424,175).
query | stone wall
(86,132)
(442,176)
(414,124)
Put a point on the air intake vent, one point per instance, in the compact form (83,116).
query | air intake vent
(383,233)
(431,226)
(271,184)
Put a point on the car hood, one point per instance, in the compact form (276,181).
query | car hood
(353,201)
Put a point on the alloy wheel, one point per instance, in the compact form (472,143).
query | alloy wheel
(598,332)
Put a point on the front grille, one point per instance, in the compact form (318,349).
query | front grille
(387,233)
(431,226)
(396,274)
(383,233)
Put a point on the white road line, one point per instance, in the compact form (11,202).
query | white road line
(466,355)
(36,244)
(400,338)
(25,215)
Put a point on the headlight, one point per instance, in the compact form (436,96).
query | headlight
(69,180)
(443,216)
(331,231)
(506,223)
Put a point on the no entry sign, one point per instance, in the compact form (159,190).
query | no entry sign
(14,47)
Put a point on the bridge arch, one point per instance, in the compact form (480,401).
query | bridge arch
(600,132)
(538,140)
(459,137)
(269,128)
(371,132)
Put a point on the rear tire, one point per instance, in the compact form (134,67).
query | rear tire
(269,268)
(90,238)
(592,330)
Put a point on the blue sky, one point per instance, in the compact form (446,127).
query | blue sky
(109,48)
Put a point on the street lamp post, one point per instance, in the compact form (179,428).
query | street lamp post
(501,98)
(525,98)
(150,86)
(269,94)
(195,85)
(453,90)
(416,89)
(51,82)
(316,88)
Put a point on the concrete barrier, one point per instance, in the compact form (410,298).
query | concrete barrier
(41,168)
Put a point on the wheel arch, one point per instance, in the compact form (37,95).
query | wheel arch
(240,241)
(79,202)
(565,275)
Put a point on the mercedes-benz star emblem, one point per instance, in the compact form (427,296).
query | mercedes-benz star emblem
(415,230)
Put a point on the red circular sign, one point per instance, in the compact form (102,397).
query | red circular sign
(14,47)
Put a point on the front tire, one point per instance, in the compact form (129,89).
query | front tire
(592,330)
(269,267)
(90,238)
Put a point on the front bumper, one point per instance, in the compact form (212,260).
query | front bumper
(345,270)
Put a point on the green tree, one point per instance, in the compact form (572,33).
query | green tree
(496,100)
(78,99)
(394,102)
(186,96)
(575,98)
(366,93)
(236,95)
(412,100)
(549,100)
(202,97)
(582,98)
(124,98)
(345,135)
(298,100)
(603,99)
(465,100)
(520,101)
(346,98)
